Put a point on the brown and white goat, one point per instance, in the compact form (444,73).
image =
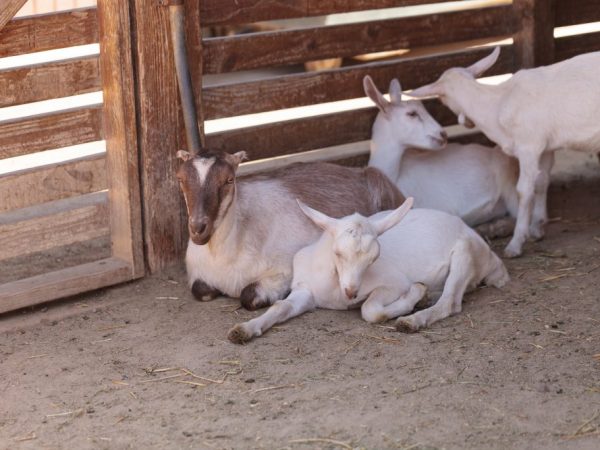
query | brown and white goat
(244,233)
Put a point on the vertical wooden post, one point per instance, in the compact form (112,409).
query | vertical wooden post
(534,40)
(194,50)
(160,134)
(116,66)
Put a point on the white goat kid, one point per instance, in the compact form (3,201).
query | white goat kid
(474,182)
(531,115)
(349,266)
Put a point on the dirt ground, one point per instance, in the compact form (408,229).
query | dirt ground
(131,366)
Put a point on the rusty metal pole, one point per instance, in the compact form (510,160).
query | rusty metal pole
(184,80)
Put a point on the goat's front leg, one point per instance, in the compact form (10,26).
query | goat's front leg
(386,303)
(203,292)
(298,302)
(529,162)
(540,211)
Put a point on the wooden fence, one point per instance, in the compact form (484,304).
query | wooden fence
(141,121)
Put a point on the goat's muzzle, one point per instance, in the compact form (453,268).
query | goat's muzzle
(351,292)
(200,230)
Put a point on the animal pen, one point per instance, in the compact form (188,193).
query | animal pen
(57,192)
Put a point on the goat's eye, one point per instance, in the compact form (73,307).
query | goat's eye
(412,114)
(229,180)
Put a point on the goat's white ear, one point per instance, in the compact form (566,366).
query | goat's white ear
(395,91)
(237,158)
(374,94)
(183,155)
(321,220)
(393,218)
(484,64)
(429,90)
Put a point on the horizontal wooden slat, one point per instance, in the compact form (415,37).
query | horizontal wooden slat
(249,51)
(228,12)
(47,81)
(49,31)
(567,47)
(50,131)
(62,283)
(310,88)
(54,224)
(53,182)
(569,12)
(299,135)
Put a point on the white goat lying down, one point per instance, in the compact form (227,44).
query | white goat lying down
(244,233)
(532,114)
(349,266)
(473,182)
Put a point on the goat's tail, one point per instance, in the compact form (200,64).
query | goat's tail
(384,193)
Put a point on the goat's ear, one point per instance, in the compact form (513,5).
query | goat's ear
(395,91)
(484,64)
(236,158)
(374,94)
(321,220)
(429,90)
(393,218)
(183,155)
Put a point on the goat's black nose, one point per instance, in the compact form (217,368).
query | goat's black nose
(444,135)
(198,226)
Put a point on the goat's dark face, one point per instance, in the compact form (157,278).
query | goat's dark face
(207,182)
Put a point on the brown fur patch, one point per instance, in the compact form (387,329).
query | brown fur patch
(249,299)
(203,292)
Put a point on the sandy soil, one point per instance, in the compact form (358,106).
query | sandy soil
(518,368)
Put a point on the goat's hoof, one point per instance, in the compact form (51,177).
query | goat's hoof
(536,233)
(254,304)
(512,251)
(203,292)
(238,335)
(405,326)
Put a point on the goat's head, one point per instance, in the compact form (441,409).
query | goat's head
(445,85)
(207,182)
(355,246)
(407,121)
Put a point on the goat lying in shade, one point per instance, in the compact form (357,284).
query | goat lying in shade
(349,267)
(532,114)
(244,234)
(473,182)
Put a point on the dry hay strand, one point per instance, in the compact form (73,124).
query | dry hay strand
(163,378)
(193,383)
(273,388)
(28,437)
(384,339)
(586,429)
(321,441)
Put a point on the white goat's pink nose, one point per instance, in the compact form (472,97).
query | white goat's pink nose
(351,292)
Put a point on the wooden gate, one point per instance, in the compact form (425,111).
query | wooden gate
(69,167)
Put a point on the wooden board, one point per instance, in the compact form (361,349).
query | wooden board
(116,56)
(49,131)
(310,88)
(46,81)
(62,283)
(227,12)
(249,51)
(569,46)
(52,182)
(299,135)
(569,12)
(534,40)
(8,9)
(62,222)
(49,31)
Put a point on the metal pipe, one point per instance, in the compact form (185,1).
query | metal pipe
(184,80)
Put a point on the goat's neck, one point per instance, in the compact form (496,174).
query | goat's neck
(227,237)
(386,153)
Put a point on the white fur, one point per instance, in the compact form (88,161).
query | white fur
(202,166)
(474,182)
(531,115)
(387,276)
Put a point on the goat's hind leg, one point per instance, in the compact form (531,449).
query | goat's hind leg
(384,303)
(450,302)
(298,302)
(539,216)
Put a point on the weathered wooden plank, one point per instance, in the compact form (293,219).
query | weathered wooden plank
(49,31)
(569,46)
(54,224)
(53,182)
(195,52)
(160,134)
(116,58)
(62,283)
(47,81)
(299,135)
(250,51)
(310,88)
(8,9)
(569,12)
(534,40)
(228,12)
(48,131)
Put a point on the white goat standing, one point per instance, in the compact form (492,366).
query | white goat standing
(531,115)
(349,266)
(474,182)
